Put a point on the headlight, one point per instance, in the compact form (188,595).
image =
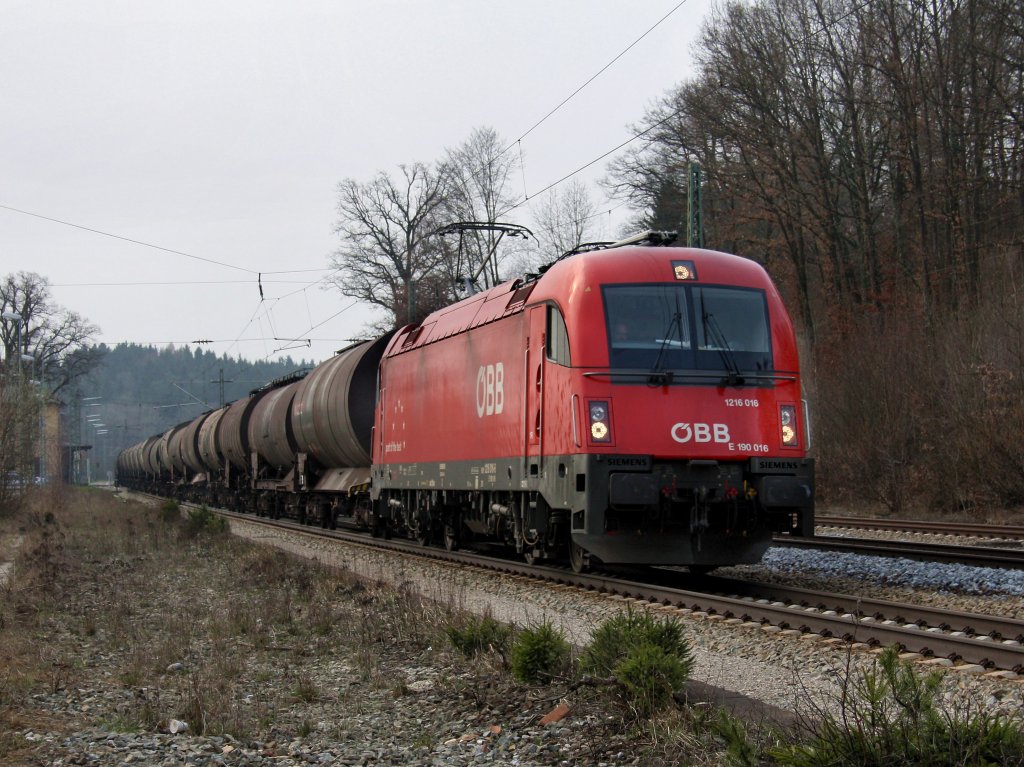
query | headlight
(600,423)
(787,421)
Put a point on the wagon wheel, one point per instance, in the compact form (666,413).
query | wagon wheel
(419,530)
(451,534)
(578,557)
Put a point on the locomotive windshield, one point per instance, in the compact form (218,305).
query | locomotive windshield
(687,327)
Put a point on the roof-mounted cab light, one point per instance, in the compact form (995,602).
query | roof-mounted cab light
(684,270)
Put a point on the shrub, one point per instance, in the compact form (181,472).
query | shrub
(648,676)
(888,714)
(170,512)
(539,654)
(479,635)
(617,636)
(648,658)
(203,520)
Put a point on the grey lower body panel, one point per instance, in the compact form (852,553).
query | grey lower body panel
(620,508)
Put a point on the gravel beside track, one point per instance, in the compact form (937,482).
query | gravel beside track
(956,587)
(425,711)
(780,670)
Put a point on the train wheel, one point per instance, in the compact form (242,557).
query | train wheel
(451,535)
(579,560)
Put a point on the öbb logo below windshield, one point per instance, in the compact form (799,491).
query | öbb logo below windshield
(701,432)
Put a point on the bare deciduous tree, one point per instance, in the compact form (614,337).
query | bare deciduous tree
(46,348)
(871,155)
(564,218)
(387,245)
(481,179)
(56,339)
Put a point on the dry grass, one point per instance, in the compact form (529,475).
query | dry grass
(99,578)
(122,616)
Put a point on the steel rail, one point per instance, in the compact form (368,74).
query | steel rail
(924,616)
(753,613)
(923,526)
(849,626)
(979,556)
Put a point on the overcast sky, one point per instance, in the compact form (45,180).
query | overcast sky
(221,129)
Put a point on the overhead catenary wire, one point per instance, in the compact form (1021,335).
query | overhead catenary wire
(526,196)
(593,77)
(518,142)
(825,26)
(171,282)
(597,159)
(267,311)
(203,341)
(145,244)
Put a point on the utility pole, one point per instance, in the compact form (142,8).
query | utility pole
(411,308)
(220,380)
(695,209)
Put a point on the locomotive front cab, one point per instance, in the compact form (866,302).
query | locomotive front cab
(695,432)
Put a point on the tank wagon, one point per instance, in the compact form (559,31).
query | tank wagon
(638,403)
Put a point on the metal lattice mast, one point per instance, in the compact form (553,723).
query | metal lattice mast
(695,209)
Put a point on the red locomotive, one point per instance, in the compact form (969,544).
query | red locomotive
(636,404)
(640,404)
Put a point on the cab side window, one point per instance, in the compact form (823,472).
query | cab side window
(557,337)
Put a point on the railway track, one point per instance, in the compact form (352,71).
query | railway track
(980,642)
(1015,532)
(978,556)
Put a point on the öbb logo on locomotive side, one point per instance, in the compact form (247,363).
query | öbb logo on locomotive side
(701,432)
(490,390)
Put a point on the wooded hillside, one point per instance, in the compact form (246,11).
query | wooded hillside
(142,390)
(870,155)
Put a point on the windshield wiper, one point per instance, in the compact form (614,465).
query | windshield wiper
(733,377)
(660,376)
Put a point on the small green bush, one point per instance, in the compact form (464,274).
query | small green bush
(889,714)
(170,512)
(479,635)
(648,676)
(202,520)
(648,658)
(539,654)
